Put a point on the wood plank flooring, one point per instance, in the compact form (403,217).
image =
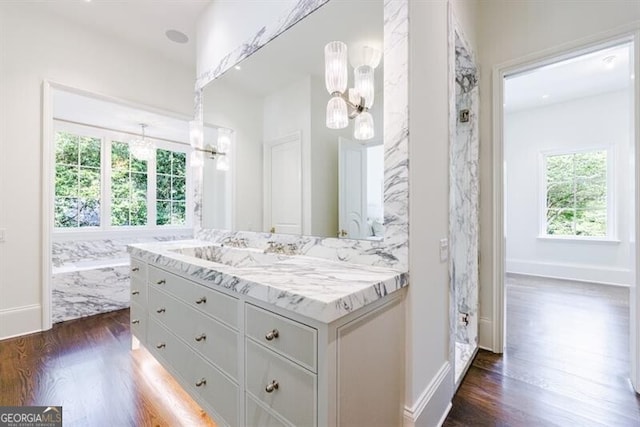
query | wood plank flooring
(86,366)
(566,362)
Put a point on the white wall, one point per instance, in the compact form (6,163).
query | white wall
(34,47)
(596,121)
(508,31)
(429,377)
(231,108)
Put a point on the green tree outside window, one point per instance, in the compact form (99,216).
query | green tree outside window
(171,168)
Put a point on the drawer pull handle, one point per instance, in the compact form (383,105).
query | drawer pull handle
(161,282)
(135,293)
(161,345)
(201,300)
(271,335)
(201,337)
(272,386)
(135,322)
(134,269)
(161,310)
(201,382)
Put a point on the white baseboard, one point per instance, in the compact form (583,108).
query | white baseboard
(20,321)
(434,403)
(485,333)
(579,272)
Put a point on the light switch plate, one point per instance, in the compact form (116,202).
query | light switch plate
(444,250)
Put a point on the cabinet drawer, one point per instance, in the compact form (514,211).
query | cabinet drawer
(138,291)
(213,303)
(164,345)
(256,415)
(292,339)
(138,269)
(215,389)
(215,341)
(295,397)
(138,320)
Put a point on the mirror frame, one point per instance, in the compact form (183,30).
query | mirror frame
(393,250)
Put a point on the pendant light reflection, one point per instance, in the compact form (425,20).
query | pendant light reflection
(221,152)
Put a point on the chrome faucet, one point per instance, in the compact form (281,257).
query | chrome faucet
(281,248)
(236,242)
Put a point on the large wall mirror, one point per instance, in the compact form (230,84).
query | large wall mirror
(287,162)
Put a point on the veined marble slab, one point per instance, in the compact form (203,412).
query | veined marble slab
(317,288)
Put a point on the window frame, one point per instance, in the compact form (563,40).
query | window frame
(106,229)
(611,234)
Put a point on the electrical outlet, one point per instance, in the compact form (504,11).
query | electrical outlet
(2,231)
(444,250)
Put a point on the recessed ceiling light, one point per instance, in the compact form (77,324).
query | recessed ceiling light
(546,96)
(609,62)
(177,36)
(237,67)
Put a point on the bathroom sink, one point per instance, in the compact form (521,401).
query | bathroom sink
(230,256)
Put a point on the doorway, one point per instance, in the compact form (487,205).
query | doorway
(567,207)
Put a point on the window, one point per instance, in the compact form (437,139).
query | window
(128,187)
(77,181)
(171,168)
(577,199)
(100,185)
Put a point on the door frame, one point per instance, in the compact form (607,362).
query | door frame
(630,33)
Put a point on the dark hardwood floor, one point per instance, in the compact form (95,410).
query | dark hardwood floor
(566,362)
(87,366)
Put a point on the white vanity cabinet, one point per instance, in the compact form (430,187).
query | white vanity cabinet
(250,363)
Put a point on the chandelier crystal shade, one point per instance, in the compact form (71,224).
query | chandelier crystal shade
(196,133)
(364,84)
(337,116)
(363,128)
(142,148)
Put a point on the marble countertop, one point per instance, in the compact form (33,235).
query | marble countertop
(317,288)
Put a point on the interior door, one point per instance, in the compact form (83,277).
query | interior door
(283,185)
(352,182)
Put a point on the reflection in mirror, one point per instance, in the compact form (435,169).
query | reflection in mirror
(307,122)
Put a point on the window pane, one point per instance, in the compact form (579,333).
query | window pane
(591,194)
(163,165)
(560,222)
(179,163)
(89,213)
(139,212)
(66,180)
(559,168)
(138,165)
(560,195)
(120,184)
(119,155)
(66,212)
(66,148)
(89,183)
(119,212)
(139,185)
(592,165)
(163,187)
(177,213)
(591,223)
(90,152)
(178,188)
(163,213)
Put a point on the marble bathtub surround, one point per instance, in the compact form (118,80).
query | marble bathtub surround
(92,276)
(392,251)
(317,288)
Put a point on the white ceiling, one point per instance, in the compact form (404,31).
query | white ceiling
(118,116)
(582,76)
(300,51)
(139,22)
